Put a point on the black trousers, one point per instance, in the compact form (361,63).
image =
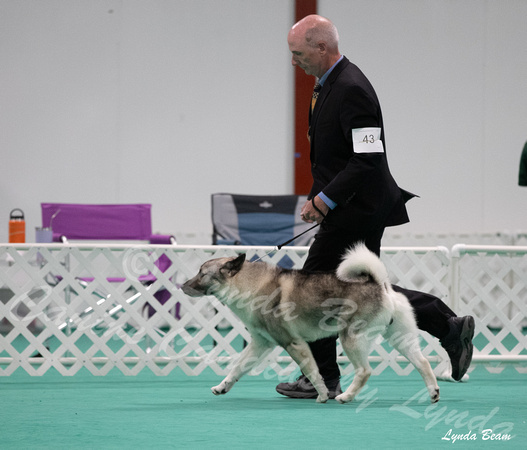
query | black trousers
(325,255)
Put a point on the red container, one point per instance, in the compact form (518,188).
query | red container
(17,226)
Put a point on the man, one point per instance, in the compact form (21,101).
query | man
(354,196)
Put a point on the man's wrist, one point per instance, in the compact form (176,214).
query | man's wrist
(331,204)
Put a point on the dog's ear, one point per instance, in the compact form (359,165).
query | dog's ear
(233,266)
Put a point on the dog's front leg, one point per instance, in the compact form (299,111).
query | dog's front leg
(248,359)
(301,354)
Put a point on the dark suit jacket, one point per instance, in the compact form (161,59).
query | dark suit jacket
(361,184)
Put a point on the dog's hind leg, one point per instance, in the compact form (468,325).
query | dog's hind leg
(402,335)
(252,354)
(301,354)
(356,348)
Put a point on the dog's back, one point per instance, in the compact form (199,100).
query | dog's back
(295,303)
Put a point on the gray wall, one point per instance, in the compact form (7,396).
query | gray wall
(168,101)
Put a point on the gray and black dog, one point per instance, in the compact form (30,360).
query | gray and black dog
(290,308)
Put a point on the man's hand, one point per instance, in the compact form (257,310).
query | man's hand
(310,214)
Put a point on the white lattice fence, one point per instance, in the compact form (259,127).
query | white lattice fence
(119,306)
(490,282)
(448,240)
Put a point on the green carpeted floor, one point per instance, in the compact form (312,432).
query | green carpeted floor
(177,411)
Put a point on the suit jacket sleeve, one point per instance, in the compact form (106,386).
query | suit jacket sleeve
(356,110)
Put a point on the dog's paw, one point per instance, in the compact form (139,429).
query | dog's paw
(322,399)
(434,398)
(343,398)
(218,390)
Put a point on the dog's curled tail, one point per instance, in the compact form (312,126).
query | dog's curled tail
(359,261)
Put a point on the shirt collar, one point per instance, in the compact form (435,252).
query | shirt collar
(322,80)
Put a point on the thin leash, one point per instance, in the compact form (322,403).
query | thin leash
(278,247)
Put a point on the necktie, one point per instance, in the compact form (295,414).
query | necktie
(316,91)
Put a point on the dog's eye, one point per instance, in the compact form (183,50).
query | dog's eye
(207,278)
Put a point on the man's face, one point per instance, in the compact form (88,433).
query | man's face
(306,57)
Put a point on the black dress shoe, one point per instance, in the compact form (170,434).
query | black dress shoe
(302,388)
(458,344)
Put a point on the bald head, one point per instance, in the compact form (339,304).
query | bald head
(318,29)
(314,44)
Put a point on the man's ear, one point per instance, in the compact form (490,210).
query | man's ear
(233,266)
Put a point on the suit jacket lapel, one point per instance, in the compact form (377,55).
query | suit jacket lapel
(326,89)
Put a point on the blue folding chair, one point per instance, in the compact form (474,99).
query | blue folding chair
(260,220)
